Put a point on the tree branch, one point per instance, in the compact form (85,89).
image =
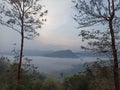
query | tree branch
(10,27)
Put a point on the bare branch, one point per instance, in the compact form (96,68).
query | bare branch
(10,27)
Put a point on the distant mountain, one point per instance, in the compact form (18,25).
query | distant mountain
(62,54)
(89,54)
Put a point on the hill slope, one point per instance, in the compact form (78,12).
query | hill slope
(62,54)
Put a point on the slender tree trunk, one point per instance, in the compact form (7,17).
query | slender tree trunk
(21,55)
(114,50)
(115,57)
(21,49)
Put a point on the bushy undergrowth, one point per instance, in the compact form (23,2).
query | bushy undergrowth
(97,76)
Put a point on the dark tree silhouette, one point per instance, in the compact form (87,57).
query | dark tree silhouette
(23,16)
(105,12)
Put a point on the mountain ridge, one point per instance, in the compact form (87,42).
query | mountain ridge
(62,54)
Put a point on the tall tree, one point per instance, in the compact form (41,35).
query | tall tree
(25,17)
(103,12)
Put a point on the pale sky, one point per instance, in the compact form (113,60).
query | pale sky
(59,32)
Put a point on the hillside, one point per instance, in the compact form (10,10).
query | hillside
(62,54)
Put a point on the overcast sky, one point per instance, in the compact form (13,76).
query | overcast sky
(59,32)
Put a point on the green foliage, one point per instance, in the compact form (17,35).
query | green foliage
(8,78)
(98,76)
(8,75)
(51,84)
(28,81)
(4,63)
(101,84)
(76,82)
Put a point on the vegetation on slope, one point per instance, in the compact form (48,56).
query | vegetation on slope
(97,76)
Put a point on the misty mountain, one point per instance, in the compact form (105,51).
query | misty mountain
(62,54)
(59,53)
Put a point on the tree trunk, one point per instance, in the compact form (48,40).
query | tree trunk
(114,50)
(115,57)
(21,49)
(21,55)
